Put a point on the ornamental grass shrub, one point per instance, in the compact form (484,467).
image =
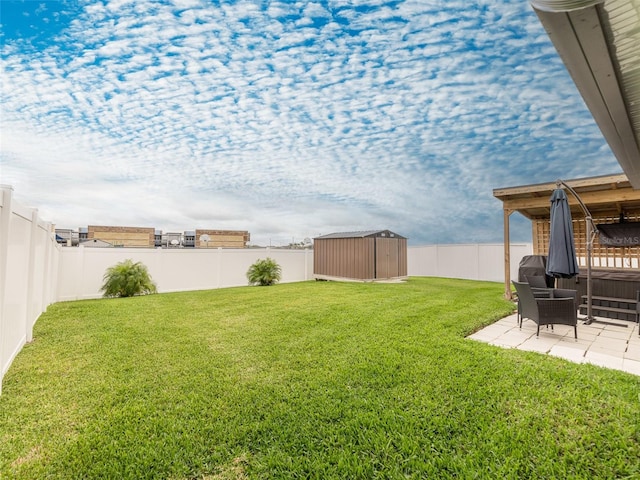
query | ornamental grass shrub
(264,272)
(126,279)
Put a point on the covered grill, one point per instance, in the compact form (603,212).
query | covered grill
(534,265)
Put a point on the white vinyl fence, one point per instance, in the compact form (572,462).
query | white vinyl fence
(82,268)
(35,271)
(29,258)
(473,261)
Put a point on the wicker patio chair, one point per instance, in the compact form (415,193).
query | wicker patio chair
(560,309)
(537,281)
(538,285)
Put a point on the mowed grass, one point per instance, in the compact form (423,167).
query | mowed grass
(309,380)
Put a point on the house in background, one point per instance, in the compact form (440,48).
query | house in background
(96,243)
(364,256)
(171,240)
(123,236)
(142,237)
(221,238)
(67,237)
(190,238)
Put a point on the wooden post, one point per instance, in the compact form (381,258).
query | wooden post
(507,255)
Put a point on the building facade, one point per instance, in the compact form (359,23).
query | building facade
(143,237)
(221,238)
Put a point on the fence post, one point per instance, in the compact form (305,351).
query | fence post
(31,276)
(53,264)
(5,224)
(219,267)
(80,273)
(156,267)
(48,275)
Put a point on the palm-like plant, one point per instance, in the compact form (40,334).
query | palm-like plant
(126,279)
(264,272)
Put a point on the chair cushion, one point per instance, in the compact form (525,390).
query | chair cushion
(537,281)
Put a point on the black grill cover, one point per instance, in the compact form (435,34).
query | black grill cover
(532,265)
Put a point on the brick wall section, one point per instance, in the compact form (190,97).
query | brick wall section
(223,238)
(123,236)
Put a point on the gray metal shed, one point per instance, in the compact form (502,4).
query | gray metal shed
(365,256)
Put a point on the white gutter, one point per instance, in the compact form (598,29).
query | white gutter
(563,5)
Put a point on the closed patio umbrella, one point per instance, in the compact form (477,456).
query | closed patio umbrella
(561,261)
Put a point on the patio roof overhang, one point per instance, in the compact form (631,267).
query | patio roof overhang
(607,195)
(599,43)
(604,196)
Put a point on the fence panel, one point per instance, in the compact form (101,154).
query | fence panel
(15,290)
(473,261)
(82,269)
(28,274)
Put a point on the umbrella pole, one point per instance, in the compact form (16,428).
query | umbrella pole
(589,320)
(591,233)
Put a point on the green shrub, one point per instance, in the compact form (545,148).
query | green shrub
(126,279)
(264,272)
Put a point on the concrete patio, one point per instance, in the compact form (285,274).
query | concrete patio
(605,345)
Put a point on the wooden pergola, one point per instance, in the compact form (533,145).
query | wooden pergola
(609,199)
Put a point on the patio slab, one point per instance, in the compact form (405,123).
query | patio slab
(610,346)
(568,353)
(632,353)
(603,360)
(620,334)
(631,366)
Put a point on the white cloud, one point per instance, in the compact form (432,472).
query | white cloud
(153,112)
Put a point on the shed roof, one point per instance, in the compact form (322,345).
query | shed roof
(360,234)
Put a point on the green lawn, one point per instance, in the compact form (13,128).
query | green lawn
(308,380)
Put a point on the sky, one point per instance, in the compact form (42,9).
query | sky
(289,119)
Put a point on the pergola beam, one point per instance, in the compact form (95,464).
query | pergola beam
(610,180)
(608,197)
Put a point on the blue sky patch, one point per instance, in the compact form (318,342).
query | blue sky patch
(35,23)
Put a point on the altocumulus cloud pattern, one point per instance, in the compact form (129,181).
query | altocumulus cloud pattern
(287,118)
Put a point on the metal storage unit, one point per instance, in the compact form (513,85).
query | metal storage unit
(365,256)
